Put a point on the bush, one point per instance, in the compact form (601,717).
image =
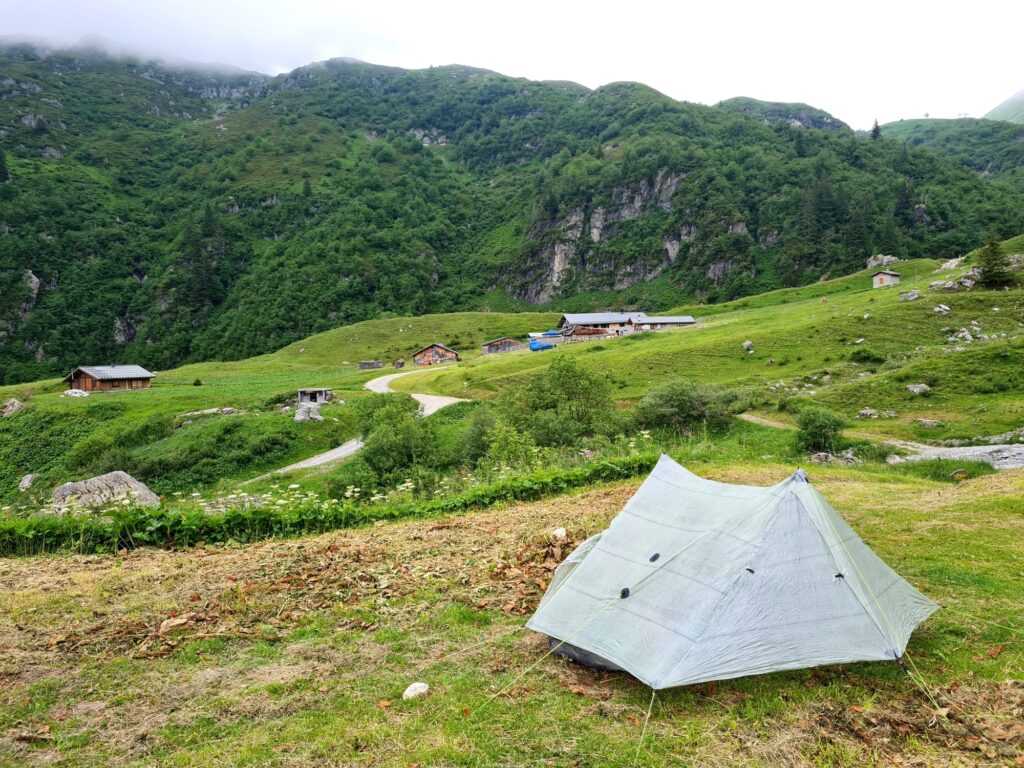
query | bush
(820,430)
(197,383)
(866,355)
(685,406)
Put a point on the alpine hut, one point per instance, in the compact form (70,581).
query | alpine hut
(435,353)
(108,378)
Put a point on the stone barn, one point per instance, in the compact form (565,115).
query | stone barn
(434,354)
(885,277)
(108,378)
(314,395)
(504,344)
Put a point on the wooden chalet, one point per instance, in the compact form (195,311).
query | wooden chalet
(504,344)
(108,378)
(434,354)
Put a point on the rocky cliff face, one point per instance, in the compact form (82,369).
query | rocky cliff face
(578,247)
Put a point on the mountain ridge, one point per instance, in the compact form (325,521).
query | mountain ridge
(165,216)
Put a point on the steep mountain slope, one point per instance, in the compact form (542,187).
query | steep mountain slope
(164,215)
(990,147)
(1011,110)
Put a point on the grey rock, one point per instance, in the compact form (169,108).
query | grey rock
(11,407)
(867,413)
(942,309)
(26,482)
(918,389)
(910,296)
(748,345)
(881,260)
(416,691)
(74,393)
(930,423)
(104,489)
(308,412)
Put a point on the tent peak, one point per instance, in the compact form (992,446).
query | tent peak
(800,476)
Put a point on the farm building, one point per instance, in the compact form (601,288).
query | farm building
(885,277)
(435,353)
(610,322)
(646,323)
(620,322)
(504,344)
(108,378)
(314,395)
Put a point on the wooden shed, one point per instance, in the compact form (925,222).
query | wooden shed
(435,353)
(504,344)
(108,378)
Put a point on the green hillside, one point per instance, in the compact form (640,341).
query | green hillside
(991,146)
(869,344)
(1011,110)
(165,215)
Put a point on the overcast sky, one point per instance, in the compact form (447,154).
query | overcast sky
(858,60)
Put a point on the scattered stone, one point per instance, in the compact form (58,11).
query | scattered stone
(867,315)
(560,533)
(826,378)
(967,283)
(930,423)
(11,407)
(847,458)
(74,393)
(937,285)
(748,345)
(859,341)
(103,489)
(910,296)
(308,412)
(867,413)
(946,266)
(26,482)
(942,309)
(210,411)
(918,389)
(416,691)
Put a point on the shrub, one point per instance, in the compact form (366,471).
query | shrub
(197,383)
(685,406)
(820,430)
(866,355)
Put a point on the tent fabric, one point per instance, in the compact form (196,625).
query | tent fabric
(697,580)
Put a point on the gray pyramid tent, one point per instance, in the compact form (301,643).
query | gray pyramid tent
(697,580)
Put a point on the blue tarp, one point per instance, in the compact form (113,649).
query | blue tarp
(552,333)
(537,346)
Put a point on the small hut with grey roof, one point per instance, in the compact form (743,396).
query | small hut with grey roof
(108,378)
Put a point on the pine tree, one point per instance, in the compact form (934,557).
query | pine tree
(876,131)
(209,225)
(994,264)
(307,189)
(4,175)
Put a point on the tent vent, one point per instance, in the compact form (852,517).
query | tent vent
(624,593)
(750,570)
(655,556)
(840,576)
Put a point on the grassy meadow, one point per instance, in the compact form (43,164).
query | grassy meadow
(296,652)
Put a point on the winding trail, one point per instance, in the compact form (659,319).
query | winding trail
(382,384)
(999,455)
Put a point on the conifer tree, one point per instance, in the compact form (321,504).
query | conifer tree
(994,264)
(876,131)
(4,175)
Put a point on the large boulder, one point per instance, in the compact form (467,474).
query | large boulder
(308,412)
(26,482)
(881,260)
(105,489)
(11,407)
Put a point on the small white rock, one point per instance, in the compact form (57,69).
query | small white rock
(560,533)
(416,691)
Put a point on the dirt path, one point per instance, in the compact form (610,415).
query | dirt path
(1000,456)
(382,384)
